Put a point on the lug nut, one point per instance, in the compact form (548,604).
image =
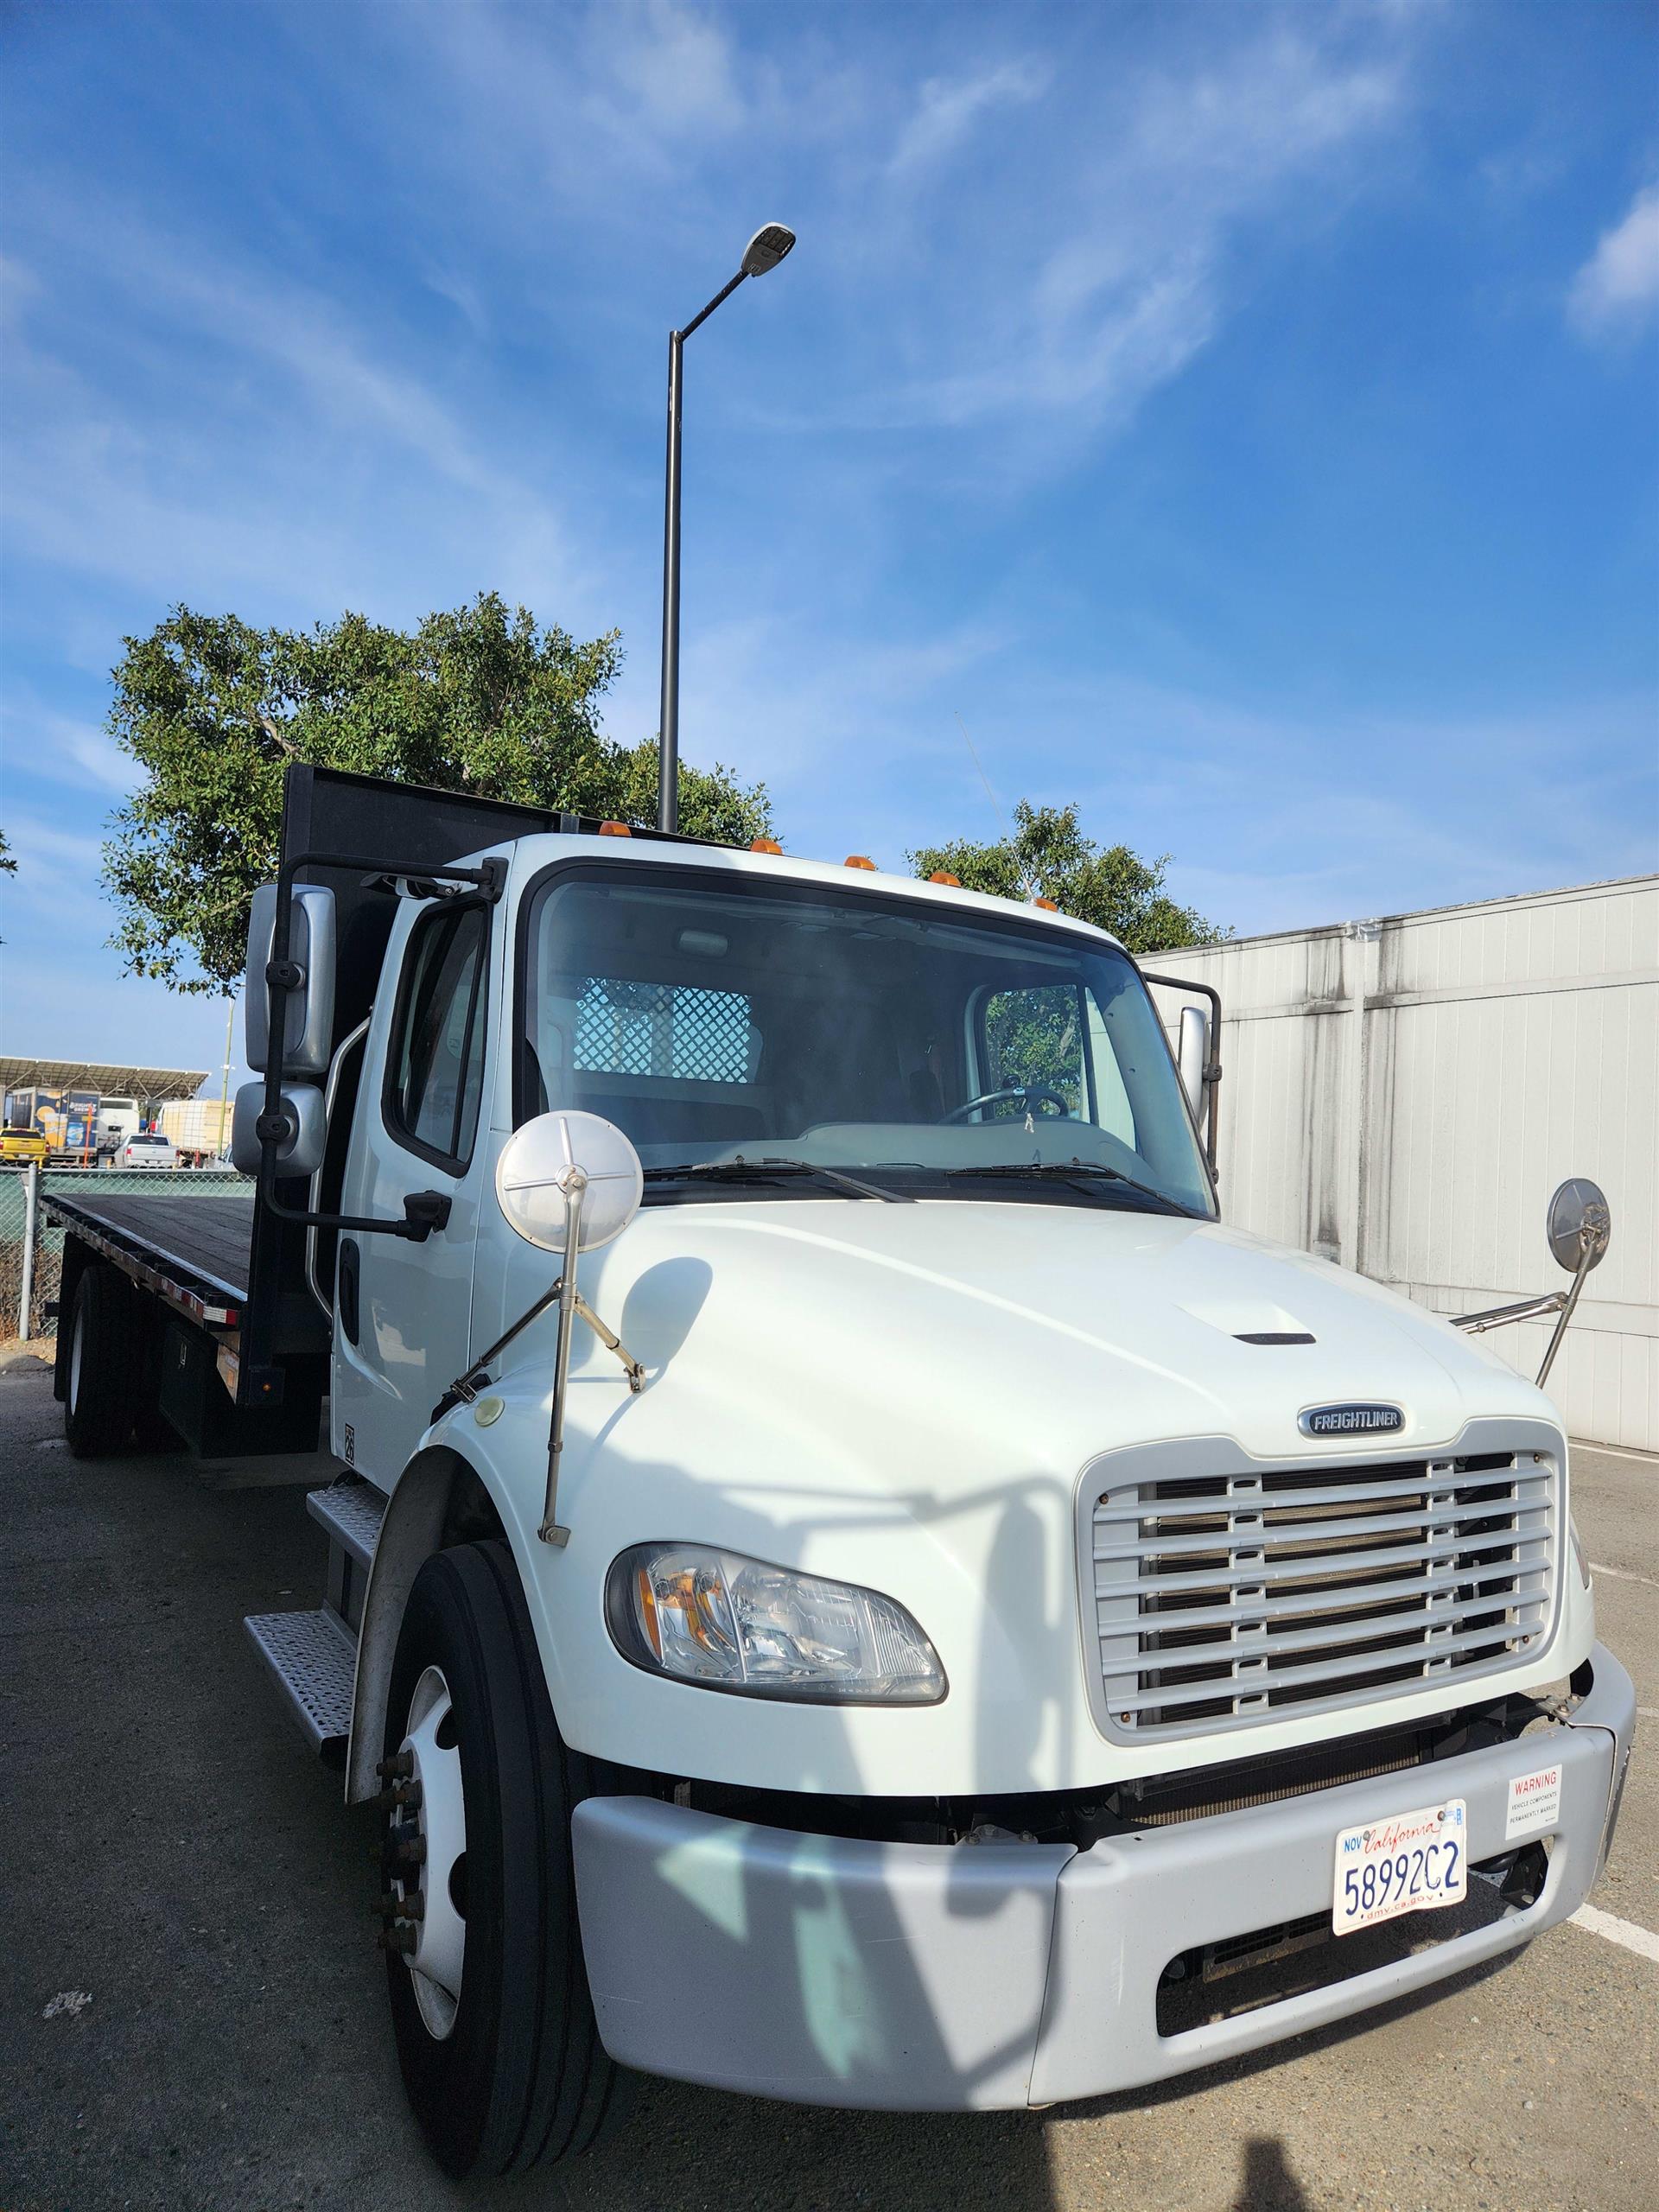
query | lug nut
(397,1939)
(392,1907)
(402,1793)
(411,1855)
(399,1768)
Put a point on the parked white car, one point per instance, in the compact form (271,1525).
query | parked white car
(145,1148)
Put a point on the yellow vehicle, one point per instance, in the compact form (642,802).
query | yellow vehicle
(22,1144)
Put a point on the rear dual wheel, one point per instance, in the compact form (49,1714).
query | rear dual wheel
(103,1381)
(500,2055)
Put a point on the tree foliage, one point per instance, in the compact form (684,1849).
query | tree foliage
(8,865)
(1048,856)
(478,700)
(1035,1035)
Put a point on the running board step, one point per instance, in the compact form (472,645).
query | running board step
(314,1658)
(352,1511)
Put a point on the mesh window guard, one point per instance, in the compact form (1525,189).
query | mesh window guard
(676,1030)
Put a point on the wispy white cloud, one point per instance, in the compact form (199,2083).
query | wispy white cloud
(292,456)
(1618,289)
(675,63)
(1064,303)
(71,752)
(947,108)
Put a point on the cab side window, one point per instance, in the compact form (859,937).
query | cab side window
(435,1074)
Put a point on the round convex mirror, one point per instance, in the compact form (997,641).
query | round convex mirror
(1578,1204)
(532,1177)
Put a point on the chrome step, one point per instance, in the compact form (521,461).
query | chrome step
(351,1510)
(313,1657)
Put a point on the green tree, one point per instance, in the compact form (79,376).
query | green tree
(1033,1035)
(1048,856)
(8,866)
(480,700)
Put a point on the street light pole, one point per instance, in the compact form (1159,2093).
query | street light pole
(764,252)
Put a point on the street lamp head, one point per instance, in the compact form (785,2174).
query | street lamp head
(767,248)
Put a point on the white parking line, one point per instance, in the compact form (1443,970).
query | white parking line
(1623,1575)
(1613,1452)
(1642,1941)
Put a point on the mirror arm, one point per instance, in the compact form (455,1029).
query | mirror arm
(1590,1250)
(612,1343)
(1563,1303)
(1499,1317)
(576,1187)
(466,1388)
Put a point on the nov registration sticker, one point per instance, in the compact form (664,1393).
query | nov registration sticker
(1410,1862)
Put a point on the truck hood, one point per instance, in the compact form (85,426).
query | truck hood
(1062,1330)
(908,1397)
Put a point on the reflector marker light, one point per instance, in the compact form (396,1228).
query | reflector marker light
(944,875)
(1048,906)
(765,845)
(614,829)
(859,860)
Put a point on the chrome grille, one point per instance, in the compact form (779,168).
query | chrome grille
(1222,1599)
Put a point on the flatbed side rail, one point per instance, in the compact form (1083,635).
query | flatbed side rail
(206,1302)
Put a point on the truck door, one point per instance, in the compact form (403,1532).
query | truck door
(402,1310)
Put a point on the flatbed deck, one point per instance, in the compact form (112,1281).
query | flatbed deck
(195,1252)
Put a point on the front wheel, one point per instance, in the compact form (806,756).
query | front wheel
(500,2055)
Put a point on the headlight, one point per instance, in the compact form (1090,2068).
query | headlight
(736,1623)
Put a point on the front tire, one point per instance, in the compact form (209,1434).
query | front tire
(101,1395)
(500,2056)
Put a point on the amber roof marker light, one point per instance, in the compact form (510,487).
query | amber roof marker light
(772,243)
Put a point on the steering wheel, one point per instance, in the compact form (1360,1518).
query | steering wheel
(1027,1092)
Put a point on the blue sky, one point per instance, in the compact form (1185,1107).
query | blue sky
(1245,420)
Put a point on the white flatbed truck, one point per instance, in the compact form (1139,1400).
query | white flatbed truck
(849,1583)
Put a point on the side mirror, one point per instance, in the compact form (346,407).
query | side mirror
(533,1176)
(299,1153)
(1193,1056)
(308,1042)
(1579,1225)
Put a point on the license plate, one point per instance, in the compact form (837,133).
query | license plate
(1410,1862)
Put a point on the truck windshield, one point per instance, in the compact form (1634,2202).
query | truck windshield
(728,1025)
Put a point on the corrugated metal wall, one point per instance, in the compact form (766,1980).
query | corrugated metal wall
(1404,1094)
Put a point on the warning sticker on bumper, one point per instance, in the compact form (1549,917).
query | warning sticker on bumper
(1534,1803)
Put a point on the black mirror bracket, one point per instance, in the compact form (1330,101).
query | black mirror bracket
(423,1210)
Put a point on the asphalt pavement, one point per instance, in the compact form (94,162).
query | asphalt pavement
(193,2015)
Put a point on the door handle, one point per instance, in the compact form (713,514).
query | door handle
(346,1295)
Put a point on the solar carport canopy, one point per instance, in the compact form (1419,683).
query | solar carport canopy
(109,1079)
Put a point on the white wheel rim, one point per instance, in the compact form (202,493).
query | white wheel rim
(440,1821)
(75,1343)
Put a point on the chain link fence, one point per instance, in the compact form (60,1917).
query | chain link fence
(32,1251)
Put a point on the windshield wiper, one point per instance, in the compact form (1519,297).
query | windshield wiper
(767,1170)
(1072,1170)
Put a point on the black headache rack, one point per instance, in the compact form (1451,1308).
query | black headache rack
(363,837)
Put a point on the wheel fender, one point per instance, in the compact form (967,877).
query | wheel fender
(412,1530)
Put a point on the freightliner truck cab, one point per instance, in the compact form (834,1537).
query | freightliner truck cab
(852,1583)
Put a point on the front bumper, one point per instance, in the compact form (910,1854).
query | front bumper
(913,1977)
